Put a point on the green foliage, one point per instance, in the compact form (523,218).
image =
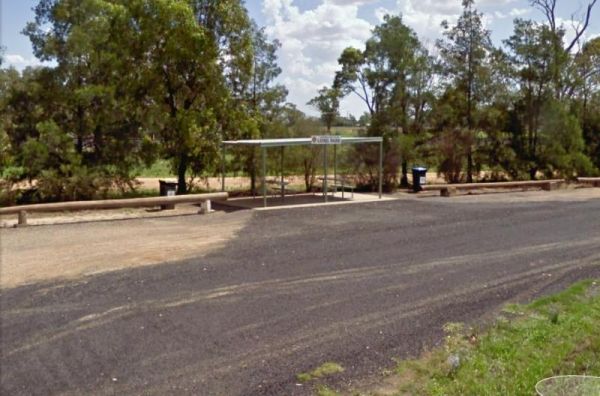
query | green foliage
(392,76)
(324,370)
(107,118)
(466,66)
(328,104)
(160,168)
(562,144)
(551,336)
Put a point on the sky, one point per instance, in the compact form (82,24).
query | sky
(313,33)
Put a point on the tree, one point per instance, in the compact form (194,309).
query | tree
(587,96)
(561,50)
(87,95)
(353,77)
(389,76)
(204,53)
(547,137)
(328,104)
(464,60)
(407,68)
(191,59)
(364,120)
(531,56)
(561,143)
(261,98)
(548,8)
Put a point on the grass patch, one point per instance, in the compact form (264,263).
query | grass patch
(138,193)
(160,168)
(324,370)
(323,390)
(555,335)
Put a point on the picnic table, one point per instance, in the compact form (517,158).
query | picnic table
(280,184)
(338,182)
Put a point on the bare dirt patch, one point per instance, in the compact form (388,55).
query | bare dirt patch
(35,254)
(570,193)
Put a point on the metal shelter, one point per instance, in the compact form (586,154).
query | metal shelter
(282,143)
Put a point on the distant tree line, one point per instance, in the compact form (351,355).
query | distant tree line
(132,81)
(527,108)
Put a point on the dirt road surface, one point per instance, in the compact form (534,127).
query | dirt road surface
(283,291)
(56,252)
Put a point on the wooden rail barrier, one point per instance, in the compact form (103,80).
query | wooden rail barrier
(447,190)
(594,181)
(205,199)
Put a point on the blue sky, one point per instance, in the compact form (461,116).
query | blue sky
(314,32)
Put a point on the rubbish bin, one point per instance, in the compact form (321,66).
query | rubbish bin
(419,174)
(167,189)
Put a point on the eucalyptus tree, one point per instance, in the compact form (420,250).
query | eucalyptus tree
(328,104)
(532,57)
(408,70)
(587,96)
(388,76)
(547,136)
(561,47)
(355,77)
(188,60)
(465,55)
(262,98)
(86,92)
(163,72)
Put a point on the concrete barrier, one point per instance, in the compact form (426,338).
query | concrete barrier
(447,190)
(594,181)
(204,199)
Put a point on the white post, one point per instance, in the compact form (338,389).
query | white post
(205,207)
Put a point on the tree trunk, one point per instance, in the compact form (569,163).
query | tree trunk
(253,179)
(470,166)
(404,178)
(252,171)
(181,169)
(307,184)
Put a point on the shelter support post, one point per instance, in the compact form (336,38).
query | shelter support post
(222,167)
(334,169)
(325,190)
(264,176)
(282,186)
(380,167)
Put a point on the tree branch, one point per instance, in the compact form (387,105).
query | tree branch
(579,31)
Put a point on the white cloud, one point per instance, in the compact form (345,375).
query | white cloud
(495,3)
(349,2)
(381,12)
(517,12)
(312,41)
(20,62)
(513,13)
(426,16)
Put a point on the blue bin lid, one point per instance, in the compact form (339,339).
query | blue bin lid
(419,168)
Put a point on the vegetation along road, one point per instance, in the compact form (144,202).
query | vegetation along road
(355,285)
